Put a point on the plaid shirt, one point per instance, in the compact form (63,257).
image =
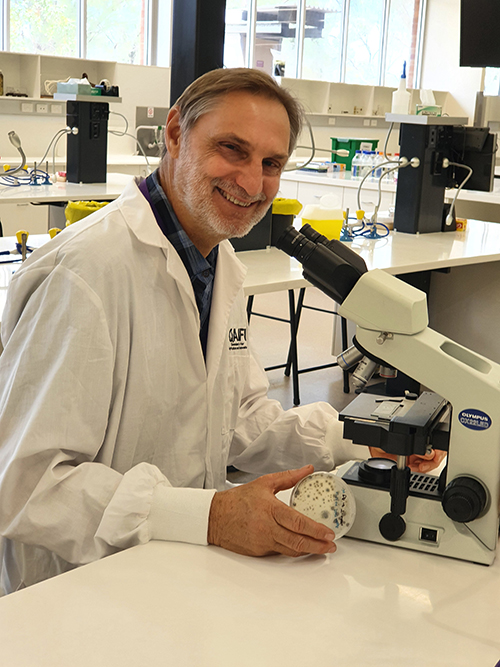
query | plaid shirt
(201,270)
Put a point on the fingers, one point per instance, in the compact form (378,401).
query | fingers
(430,463)
(292,544)
(301,525)
(279,481)
(416,462)
(250,520)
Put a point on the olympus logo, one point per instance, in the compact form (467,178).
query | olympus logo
(477,420)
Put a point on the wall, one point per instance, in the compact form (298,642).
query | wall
(440,58)
(145,86)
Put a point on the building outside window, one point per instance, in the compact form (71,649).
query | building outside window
(351,41)
(116,30)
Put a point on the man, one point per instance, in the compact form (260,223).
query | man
(123,398)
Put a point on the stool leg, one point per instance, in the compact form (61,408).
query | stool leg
(298,313)
(249,307)
(293,348)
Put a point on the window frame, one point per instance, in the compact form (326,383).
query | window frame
(150,55)
(296,69)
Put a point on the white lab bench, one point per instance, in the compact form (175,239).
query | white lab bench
(27,206)
(168,603)
(464,303)
(464,299)
(308,187)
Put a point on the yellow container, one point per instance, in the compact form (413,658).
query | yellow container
(329,228)
(76,210)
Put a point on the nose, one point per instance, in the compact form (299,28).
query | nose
(251,178)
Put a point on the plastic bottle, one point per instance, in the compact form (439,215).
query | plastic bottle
(363,165)
(355,166)
(401,96)
(372,164)
(396,171)
(378,161)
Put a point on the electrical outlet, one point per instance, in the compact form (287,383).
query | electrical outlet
(331,121)
(26,107)
(374,123)
(366,122)
(56,108)
(41,108)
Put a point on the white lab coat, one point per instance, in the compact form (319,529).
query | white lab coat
(113,430)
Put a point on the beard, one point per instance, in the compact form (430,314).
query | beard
(197,192)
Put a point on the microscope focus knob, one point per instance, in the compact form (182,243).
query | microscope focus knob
(464,499)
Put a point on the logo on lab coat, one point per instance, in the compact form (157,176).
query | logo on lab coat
(238,338)
(477,420)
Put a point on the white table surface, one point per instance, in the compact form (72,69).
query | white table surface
(65,191)
(344,179)
(272,270)
(193,606)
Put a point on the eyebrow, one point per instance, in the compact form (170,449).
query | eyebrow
(246,144)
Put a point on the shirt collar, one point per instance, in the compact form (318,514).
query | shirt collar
(165,215)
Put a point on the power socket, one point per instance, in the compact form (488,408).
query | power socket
(42,108)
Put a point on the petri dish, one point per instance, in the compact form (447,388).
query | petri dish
(326,498)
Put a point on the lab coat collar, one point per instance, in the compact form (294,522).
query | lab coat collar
(229,278)
(139,216)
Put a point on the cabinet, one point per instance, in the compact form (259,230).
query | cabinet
(369,200)
(311,193)
(26,74)
(33,218)
(349,100)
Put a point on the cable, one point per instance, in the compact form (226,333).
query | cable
(399,165)
(312,147)
(54,152)
(57,135)
(124,133)
(387,140)
(16,142)
(447,163)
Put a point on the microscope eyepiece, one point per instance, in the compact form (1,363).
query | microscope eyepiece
(334,269)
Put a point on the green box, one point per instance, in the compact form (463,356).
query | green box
(351,145)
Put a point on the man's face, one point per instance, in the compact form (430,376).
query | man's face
(226,170)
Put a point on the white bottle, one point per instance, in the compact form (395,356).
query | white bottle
(379,158)
(401,96)
(373,164)
(355,166)
(363,164)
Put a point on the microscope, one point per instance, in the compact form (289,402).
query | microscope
(456,514)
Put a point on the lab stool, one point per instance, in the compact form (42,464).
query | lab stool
(292,365)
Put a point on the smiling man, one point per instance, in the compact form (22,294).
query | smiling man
(128,382)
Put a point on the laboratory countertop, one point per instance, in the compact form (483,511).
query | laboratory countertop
(271,270)
(180,604)
(55,192)
(113,159)
(344,179)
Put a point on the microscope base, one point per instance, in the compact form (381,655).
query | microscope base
(428,528)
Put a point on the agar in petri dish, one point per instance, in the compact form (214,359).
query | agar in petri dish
(326,498)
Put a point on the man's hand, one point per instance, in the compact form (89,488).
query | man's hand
(250,520)
(416,462)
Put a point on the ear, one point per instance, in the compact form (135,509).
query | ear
(173,133)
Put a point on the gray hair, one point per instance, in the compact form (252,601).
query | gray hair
(204,93)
